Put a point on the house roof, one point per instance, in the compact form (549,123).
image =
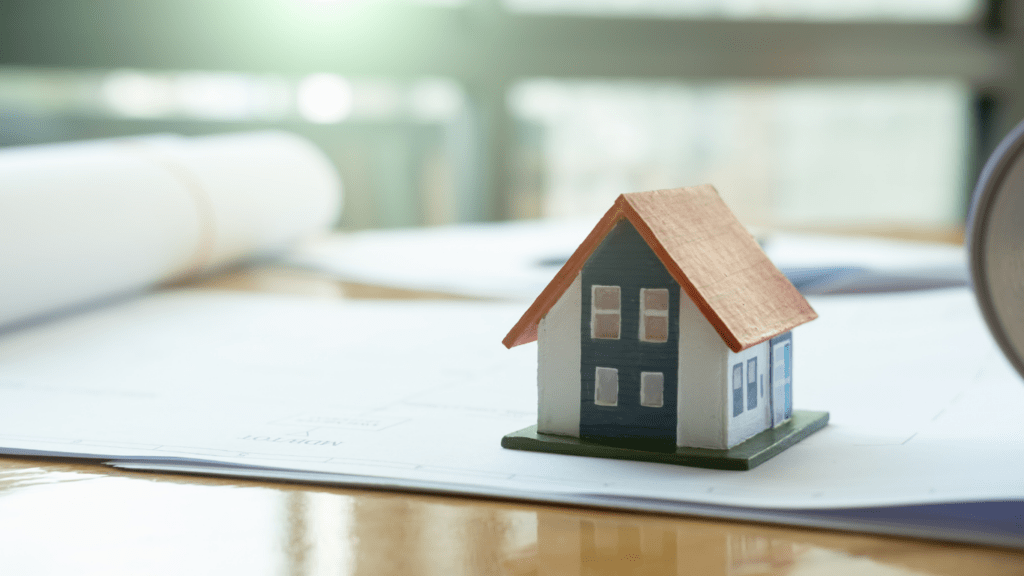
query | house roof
(705,248)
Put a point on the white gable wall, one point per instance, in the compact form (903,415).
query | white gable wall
(705,416)
(751,420)
(558,364)
(702,393)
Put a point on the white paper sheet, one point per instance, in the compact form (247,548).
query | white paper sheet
(924,407)
(91,220)
(509,260)
(516,260)
(820,264)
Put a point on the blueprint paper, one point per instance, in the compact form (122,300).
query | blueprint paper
(924,408)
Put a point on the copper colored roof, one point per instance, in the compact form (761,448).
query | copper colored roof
(705,248)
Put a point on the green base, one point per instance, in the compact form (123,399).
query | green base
(743,456)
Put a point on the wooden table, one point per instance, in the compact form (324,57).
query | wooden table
(70,518)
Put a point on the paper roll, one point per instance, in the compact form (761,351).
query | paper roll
(84,221)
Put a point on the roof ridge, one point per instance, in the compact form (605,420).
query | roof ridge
(749,304)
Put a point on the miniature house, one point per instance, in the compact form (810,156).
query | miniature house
(667,324)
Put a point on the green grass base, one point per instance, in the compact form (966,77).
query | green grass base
(744,456)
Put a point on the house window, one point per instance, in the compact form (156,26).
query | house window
(751,383)
(652,389)
(606,312)
(606,387)
(737,389)
(654,314)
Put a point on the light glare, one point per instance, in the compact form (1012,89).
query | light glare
(324,98)
(215,96)
(138,95)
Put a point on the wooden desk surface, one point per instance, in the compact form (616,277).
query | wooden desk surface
(67,518)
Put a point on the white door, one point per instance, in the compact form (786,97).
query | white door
(782,385)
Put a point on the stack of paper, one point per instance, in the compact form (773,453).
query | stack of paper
(924,437)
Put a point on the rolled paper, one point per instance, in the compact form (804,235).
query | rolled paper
(84,221)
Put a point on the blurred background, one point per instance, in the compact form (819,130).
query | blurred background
(806,114)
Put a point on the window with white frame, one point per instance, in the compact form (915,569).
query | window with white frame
(606,387)
(652,389)
(654,315)
(606,312)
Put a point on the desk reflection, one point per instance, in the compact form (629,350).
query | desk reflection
(568,545)
(403,534)
(58,518)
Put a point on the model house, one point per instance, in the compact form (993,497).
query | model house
(668,325)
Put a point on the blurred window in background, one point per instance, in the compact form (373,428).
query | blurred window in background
(840,139)
(797,153)
(822,10)
(391,139)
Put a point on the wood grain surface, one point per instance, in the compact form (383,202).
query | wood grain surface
(61,518)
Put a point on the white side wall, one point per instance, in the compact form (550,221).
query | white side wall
(750,421)
(702,380)
(558,365)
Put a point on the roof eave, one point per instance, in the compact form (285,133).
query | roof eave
(525,330)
